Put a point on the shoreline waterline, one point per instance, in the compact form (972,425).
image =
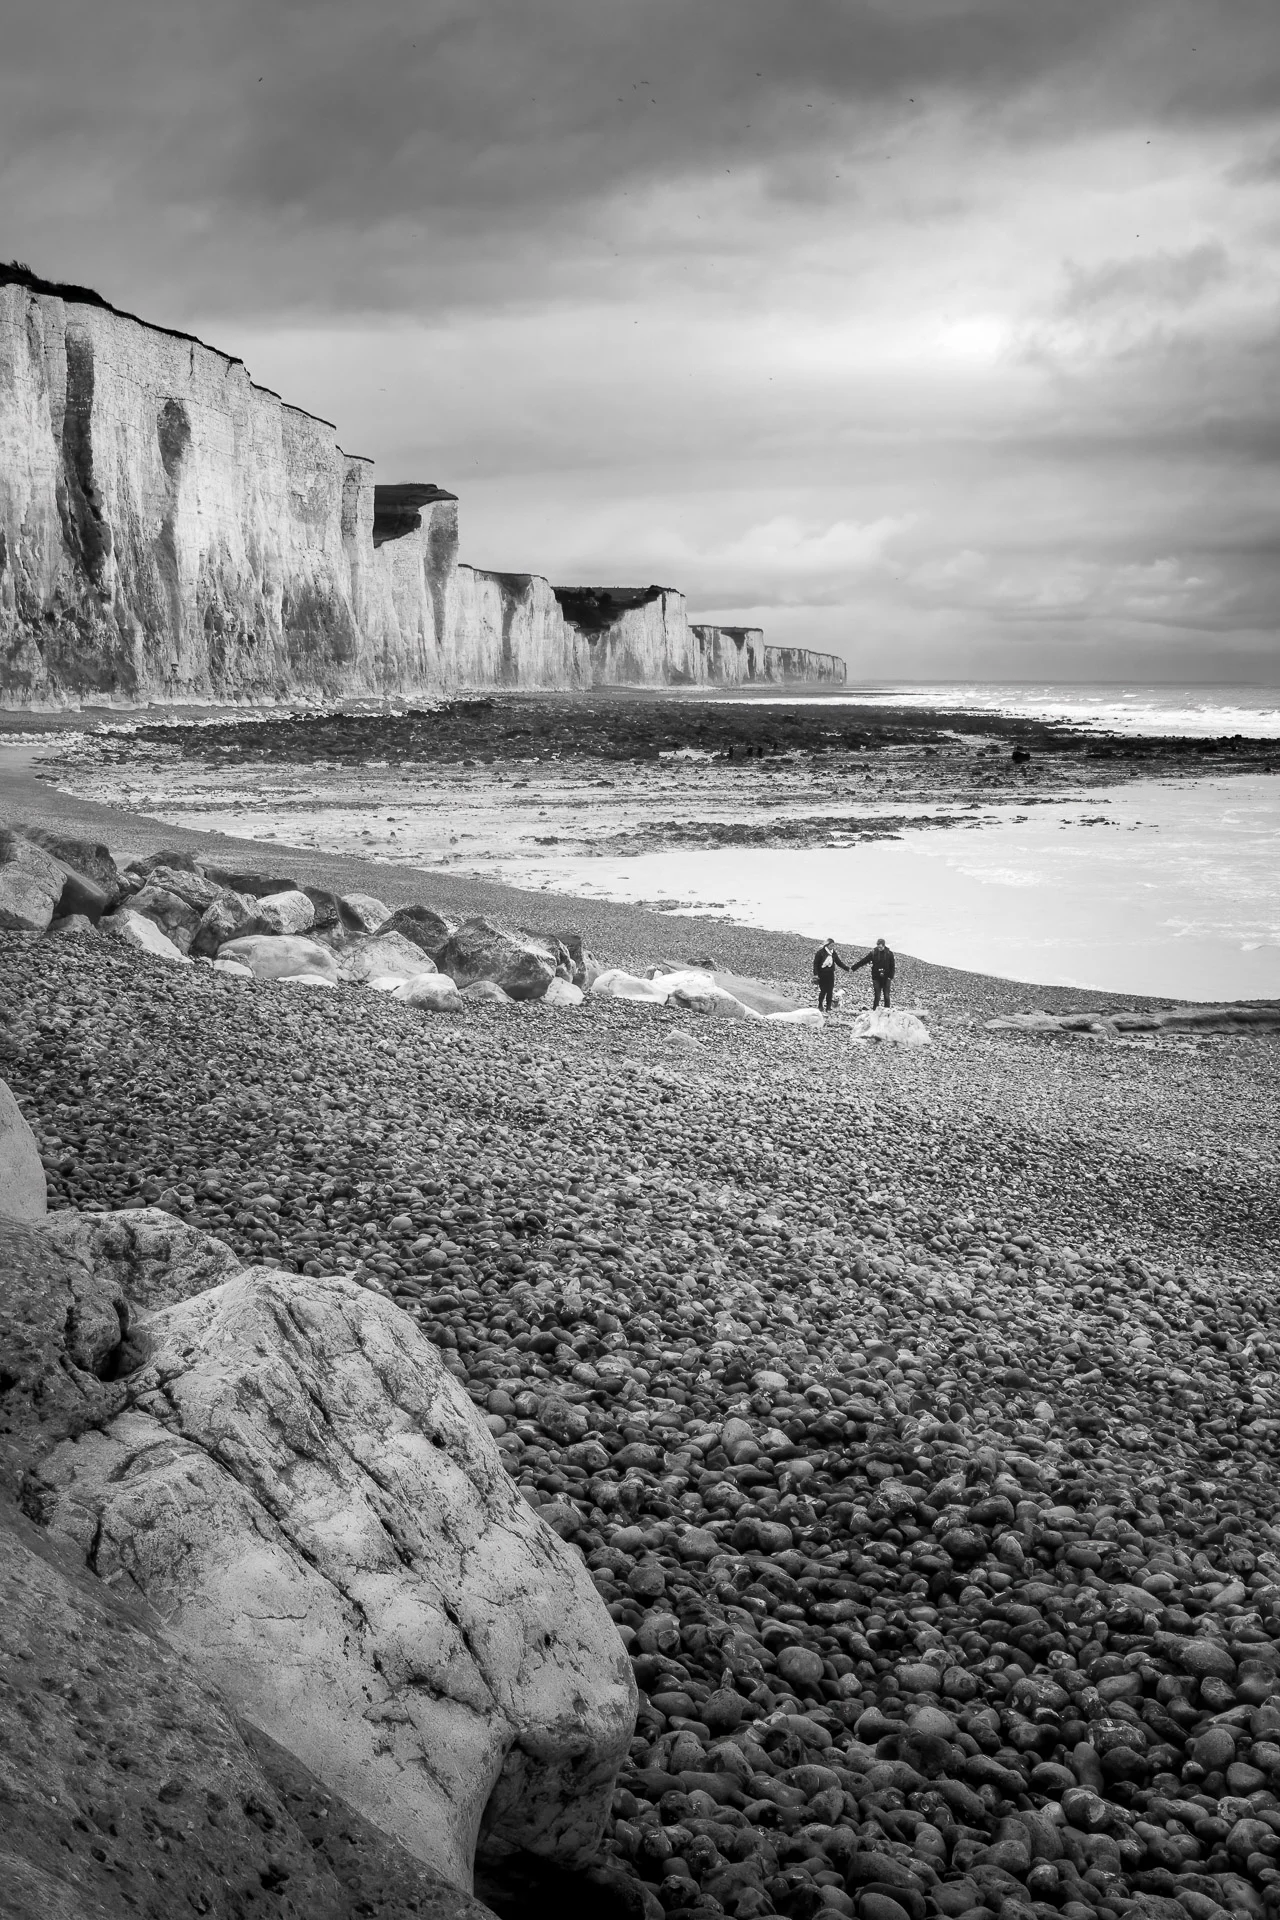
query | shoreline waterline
(1130,868)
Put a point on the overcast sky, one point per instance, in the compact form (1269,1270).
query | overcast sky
(940,333)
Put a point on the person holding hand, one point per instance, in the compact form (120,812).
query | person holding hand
(881,962)
(825,962)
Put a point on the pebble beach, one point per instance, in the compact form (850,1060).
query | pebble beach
(914,1412)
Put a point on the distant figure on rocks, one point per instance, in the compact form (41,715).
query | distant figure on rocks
(880,960)
(825,962)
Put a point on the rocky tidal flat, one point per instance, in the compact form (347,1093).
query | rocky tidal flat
(478,783)
(914,1413)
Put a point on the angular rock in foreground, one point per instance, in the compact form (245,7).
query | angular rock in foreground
(312,1504)
(129,1791)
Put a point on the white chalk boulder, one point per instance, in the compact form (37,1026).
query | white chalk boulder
(615,983)
(563,993)
(137,931)
(755,994)
(379,956)
(22,1182)
(319,1514)
(899,1029)
(288,912)
(273,956)
(364,912)
(145,1254)
(435,992)
(488,990)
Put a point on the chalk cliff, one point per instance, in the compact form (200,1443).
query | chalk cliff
(168,529)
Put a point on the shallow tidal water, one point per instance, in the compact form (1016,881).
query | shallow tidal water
(1164,888)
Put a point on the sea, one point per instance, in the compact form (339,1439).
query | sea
(1169,888)
(1166,887)
(1170,712)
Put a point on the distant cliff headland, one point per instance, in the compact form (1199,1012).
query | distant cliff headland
(170,530)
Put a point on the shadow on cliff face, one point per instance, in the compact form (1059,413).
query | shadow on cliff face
(523,1886)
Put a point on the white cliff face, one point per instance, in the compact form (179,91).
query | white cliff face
(169,529)
(167,526)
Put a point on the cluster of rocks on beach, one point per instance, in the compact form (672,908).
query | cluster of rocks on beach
(913,1412)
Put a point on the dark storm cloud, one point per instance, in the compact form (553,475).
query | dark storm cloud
(363,157)
(897,318)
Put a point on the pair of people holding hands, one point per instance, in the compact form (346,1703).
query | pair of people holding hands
(880,960)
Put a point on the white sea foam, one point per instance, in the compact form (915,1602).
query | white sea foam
(1180,712)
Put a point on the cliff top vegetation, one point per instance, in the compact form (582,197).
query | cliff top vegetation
(18,273)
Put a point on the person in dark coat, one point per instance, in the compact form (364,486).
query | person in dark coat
(880,961)
(825,962)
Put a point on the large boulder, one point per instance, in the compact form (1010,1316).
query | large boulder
(129,1790)
(362,912)
(168,911)
(381,956)
(898,1029)
(521,965)
(62,1327)
(327,908)
(426,928)
(288,912)
(226,917)
(31,883)
(319,1513)
(563,993)
(584,967)
(142,933)
(174,859)
(756,995)
(92,884)
(272,956)
(692,988)
(258,886)
(435,992)
(144,1254)
(615,983)
(22,1182)
(187,883)
(486,990)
